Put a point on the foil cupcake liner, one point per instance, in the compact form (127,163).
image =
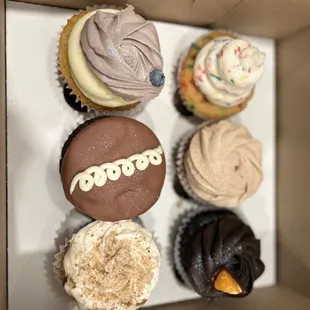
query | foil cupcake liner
(93,112)
(181,150)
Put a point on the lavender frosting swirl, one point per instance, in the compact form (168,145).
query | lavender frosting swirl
(122,50)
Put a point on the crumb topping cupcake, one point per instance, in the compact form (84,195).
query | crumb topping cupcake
(111,266)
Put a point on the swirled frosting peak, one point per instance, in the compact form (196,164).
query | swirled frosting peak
(122,49)
(111,266)
(223,164)
(222,244)
(226,70)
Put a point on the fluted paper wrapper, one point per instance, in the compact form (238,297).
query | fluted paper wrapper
(129,112)
(58,263)
(182,222)
(181,150)
(73,222)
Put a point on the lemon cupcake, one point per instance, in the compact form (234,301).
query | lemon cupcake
(111,59)
(217,76)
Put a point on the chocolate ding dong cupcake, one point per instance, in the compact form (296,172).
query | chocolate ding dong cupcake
(112,168)
(217,255)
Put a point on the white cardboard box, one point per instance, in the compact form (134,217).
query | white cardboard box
(38,122)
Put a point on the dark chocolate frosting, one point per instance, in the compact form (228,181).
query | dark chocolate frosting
(218,240)
(105,140)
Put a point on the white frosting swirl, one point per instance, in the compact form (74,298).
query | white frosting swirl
(98,175)
(97,273)
(226,70)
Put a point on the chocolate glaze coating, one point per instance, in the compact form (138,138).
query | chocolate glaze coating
(104,140)
(216,240)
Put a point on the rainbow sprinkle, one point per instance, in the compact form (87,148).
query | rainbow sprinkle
(215,76)
(191,107)
(195,47)
(199,77)
(183,85)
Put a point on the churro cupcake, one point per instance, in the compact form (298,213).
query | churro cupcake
(112,168)
(217,75)
(111,59)
(220,163)
(108,266)
(216,254)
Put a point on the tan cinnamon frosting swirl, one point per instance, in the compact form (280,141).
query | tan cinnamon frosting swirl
(223,164)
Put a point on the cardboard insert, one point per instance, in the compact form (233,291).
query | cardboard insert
(287,21)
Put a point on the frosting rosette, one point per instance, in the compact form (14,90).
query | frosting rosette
(227,69)
(123,51)
(219,255)
(223,164)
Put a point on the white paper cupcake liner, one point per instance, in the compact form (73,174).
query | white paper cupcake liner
(181,150)
(93,112)
(73,222)
(58,267)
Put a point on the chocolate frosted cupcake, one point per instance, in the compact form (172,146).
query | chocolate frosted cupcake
(111,59)
(108,266)
(220,163)
(218,74)
(112,168)
(217,255)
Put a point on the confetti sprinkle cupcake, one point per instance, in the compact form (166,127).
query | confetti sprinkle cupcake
(217,76)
